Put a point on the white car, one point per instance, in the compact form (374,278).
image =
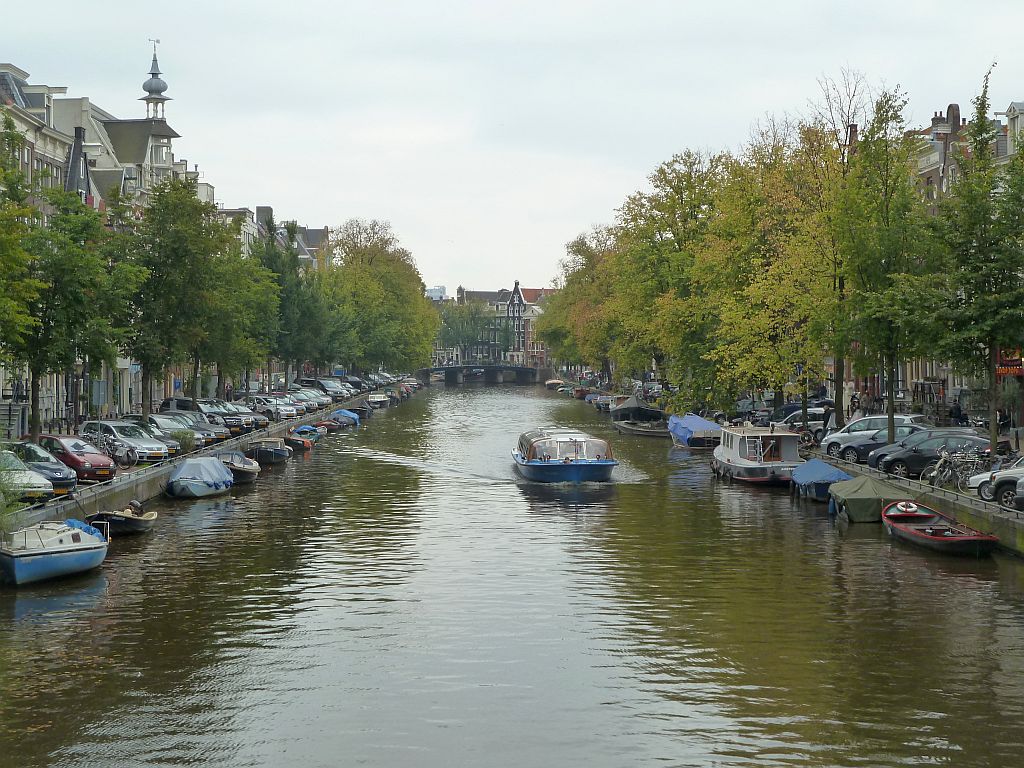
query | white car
(795,420)
(833,444)
(20,482)
(989,485)
(271,407)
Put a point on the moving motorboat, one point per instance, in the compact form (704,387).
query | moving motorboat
(554,455)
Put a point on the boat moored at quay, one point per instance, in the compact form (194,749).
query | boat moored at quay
(756,455)
(555,455)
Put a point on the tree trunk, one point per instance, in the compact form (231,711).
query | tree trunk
(890,396)
(195,382)
(147,389)
(993,395)
(220,382)
(33,423)
(839,375)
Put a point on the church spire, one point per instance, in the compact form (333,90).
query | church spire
(154,88)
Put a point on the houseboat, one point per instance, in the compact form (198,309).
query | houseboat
(552,455)
(757,455)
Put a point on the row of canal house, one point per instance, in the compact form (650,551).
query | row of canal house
(74,143)
(933,384)
(510,335)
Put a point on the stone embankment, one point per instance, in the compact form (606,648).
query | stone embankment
(985,516)
(148,482)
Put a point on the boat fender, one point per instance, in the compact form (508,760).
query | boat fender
(907,506)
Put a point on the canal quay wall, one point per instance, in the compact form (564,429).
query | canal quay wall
(985,516)
(149,482)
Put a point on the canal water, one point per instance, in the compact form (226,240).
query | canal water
(399,598)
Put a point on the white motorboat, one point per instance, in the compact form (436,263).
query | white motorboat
(757,455)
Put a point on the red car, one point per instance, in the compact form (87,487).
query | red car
(83,457)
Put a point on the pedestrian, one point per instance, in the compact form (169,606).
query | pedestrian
(956,414)
(1003,419)
(854,405)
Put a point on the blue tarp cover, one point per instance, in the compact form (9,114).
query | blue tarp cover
(817,471)
(209,469)
(684,427)
(348,414)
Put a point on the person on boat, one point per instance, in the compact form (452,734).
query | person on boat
(133,509)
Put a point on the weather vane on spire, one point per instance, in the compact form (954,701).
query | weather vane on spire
(154,41)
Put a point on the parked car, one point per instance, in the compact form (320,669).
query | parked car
(860,444)
(878,454)
(126,433)
(38,459)
(1018,497)
(84,458)
(794,421)
(173,446)
(994,484)
(299,406)
(212,410)
(271,407)
(169,423)
(321,399)
(20,482)
(330,387)
(309,402)
(869,424)
(259,420)
(210,422)
(834,442)
(910,462)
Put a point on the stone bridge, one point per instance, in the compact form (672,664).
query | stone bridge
(493,373)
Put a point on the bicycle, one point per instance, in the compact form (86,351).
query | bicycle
(953,470)
(123,455)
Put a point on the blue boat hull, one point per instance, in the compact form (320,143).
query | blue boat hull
(584,471)
(40,566)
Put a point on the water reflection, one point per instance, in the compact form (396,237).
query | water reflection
(402,597)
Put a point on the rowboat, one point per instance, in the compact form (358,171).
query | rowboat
(243,469)
(553,383)
(918,524)
(644,428)
(131,519)
(552,455)
(269,450)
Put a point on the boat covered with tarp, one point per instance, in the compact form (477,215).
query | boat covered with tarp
(862,498)
(345,416)
(693,431)
(635,409)
(813,478)
(555,455)
(199,478)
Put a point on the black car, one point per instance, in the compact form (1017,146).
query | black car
(877,454)
(212,410)
(63,478)
(859,446)
(909,462)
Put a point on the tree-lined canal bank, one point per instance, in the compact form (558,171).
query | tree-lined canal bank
(399,597)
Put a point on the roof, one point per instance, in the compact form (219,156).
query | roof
(106,181)
(130,138)
(534,295)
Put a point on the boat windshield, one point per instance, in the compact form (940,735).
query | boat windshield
(559,450)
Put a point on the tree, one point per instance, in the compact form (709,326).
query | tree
(17,286)
(463,325)
(984,308)
(180,238)
(74,314)
(887,252)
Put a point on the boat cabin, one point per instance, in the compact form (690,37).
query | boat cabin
(563,445)
(760,444)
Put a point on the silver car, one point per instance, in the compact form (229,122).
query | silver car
(21,482)
(834,442)
(125,432)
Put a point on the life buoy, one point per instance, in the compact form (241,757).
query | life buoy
(907,506)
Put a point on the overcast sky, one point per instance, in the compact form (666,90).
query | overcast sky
(490,133)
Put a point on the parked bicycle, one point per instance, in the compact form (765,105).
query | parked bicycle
(954,470)
(123,455)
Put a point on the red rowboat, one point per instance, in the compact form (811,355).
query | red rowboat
(917,524)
